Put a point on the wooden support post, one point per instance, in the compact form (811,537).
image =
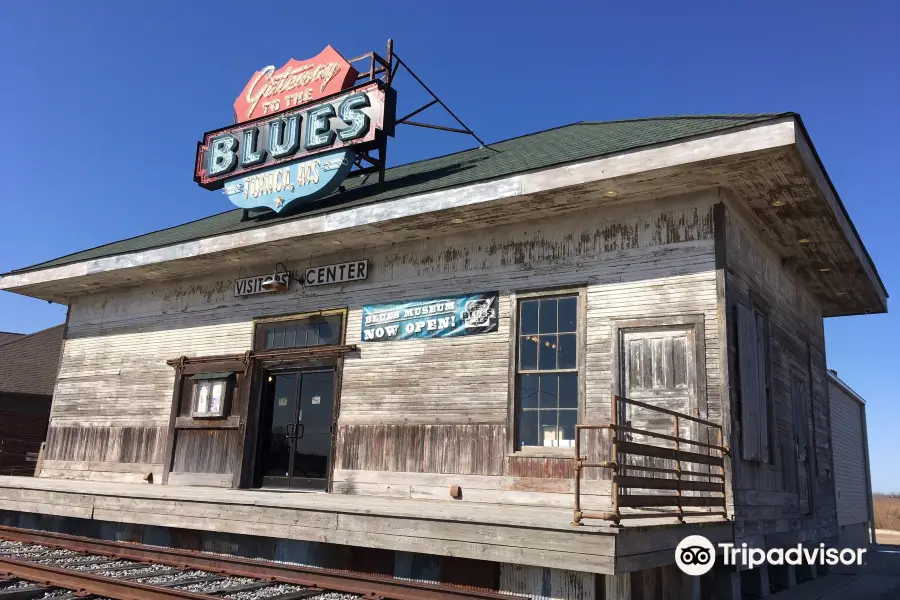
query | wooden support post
(617,587)
(805,572)
(724,476)
(678,470)
(576,516)
(783,577)
(40,460)
(614,458)
(755,582)
(690,587)
(548,583)
(727,584)
(646,583)
(670,582)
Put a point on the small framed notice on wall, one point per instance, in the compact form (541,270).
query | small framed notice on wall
(210,394)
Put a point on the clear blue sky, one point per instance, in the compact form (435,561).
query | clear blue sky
(102,104)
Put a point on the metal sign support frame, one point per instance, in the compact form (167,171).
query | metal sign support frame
(386,69)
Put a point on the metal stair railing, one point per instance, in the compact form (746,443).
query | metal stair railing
(620,449)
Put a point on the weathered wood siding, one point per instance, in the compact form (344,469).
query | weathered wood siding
(114,371)
(104,453)
(458,449)
(766,494)
(650,259)
(850,468)
(208,451)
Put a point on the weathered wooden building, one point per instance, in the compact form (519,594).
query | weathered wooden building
(683,263)
(852,472)
(28,366)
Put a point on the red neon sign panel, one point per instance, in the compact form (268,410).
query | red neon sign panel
(272,91)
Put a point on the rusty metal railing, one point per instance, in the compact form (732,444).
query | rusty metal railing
(620,449)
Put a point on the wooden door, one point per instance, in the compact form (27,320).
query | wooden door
(801,442)
(659,368)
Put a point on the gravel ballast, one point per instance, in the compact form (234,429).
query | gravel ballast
(224,584)
(56,594)
(335,596)
(107,565)
(18,586)
(183,576)
(23,549)
(142,570)
(277,589)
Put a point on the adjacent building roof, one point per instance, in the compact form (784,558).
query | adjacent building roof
(570,143)
(28,365)
(6,336)
(840,383)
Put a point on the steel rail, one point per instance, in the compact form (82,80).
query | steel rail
(326,579)
(84,582)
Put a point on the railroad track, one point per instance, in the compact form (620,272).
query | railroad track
(39,564)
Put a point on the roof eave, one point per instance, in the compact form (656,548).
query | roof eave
(832,376)
(816,168)
(62,282)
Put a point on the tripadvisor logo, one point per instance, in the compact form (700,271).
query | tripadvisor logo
(696,555)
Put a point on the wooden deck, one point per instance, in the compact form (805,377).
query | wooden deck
(537,536)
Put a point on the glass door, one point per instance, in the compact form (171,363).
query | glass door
(312,445)
(277,451)
(295,444)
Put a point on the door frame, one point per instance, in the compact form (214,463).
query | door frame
(300,372)
(694,321)
(805,405)
(298,359)
(261,370)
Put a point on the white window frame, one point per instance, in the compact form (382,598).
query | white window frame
(515,299)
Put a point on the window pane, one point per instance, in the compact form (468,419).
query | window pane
(568,313)
(528,317)
(302,333)
(547,352)
(330,331)
(567,419)
(203,397)
(215,400)
(548,316)
(567,351)
(312,334)
(290,337)
(316,331)
(527,428)
(549,387)
(568,390)
(528,352)
(548,427)
(547,402)
(528,391)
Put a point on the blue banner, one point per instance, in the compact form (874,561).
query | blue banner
(432,318)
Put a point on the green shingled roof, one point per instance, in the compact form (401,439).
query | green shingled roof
(570,143)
